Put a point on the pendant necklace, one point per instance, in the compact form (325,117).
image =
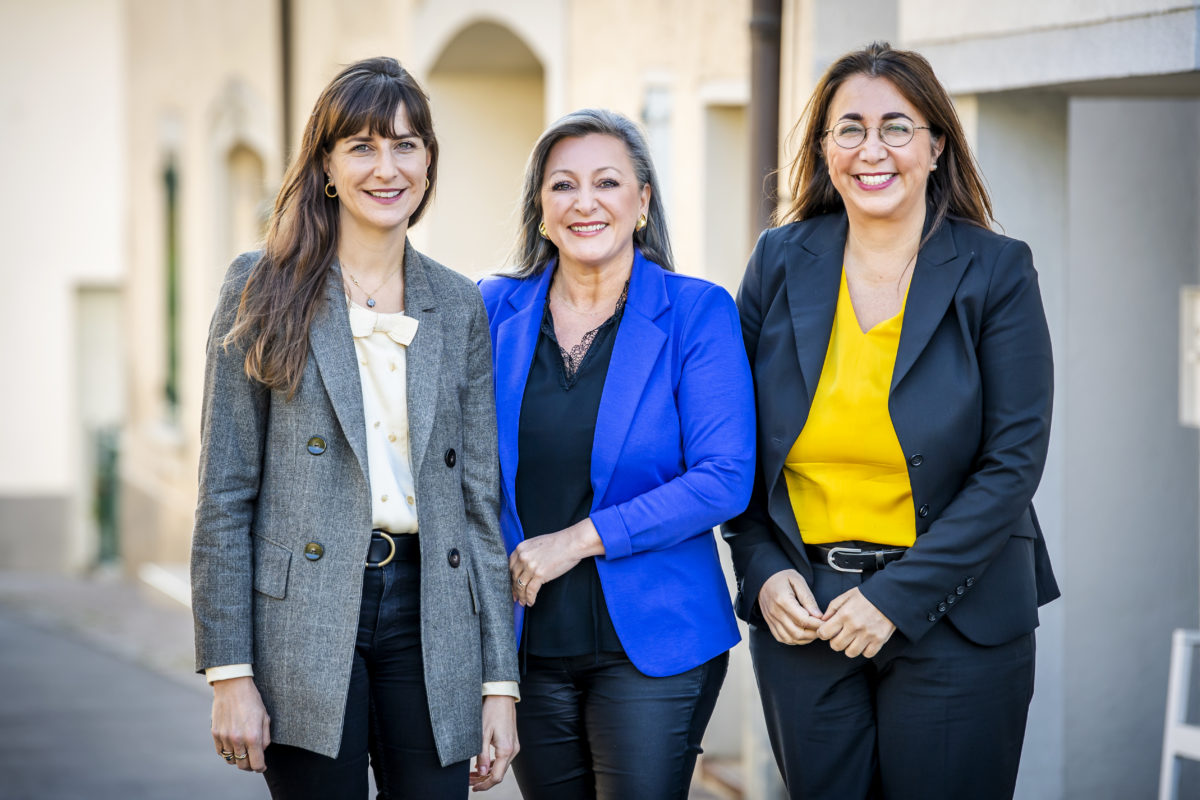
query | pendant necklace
(371,295)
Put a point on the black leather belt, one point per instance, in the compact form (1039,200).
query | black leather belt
(388,547)
(854,556)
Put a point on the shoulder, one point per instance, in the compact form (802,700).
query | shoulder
(688,291)
(999,256)
(446,282)
(239,271)
(495,288)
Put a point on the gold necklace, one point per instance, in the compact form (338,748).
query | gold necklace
(371,295)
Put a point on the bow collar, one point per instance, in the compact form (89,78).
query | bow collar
(399,327)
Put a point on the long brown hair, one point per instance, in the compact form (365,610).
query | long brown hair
(955,188)
(287,286)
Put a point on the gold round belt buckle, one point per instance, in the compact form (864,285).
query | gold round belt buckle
(391,555)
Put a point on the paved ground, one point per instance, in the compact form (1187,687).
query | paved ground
(98,700)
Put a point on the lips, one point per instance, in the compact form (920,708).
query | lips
(875,180)
(384,194)
(588,227)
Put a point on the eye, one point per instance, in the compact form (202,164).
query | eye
(608,183)
(407,145)
(901,128)
(359,148)
(560,186)
(849,130)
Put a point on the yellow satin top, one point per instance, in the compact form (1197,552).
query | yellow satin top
(846,474)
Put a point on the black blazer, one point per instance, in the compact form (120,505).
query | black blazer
(970,401)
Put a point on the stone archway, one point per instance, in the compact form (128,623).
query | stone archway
(488,93)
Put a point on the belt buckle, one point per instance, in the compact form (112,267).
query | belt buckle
(391,555)
(834,551)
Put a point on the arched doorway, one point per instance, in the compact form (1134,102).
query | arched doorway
(488,94)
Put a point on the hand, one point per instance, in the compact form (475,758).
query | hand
(853,625)
(541,559)
(240,724)
(789,608)
(500,744)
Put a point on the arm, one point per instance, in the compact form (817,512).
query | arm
(757,556)
(233,428)
(481,498)
(1016,379)
(715,401)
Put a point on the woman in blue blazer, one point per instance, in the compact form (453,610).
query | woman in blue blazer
(890,563)
(626,432)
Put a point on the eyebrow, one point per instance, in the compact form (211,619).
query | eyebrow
(854,115)
(399,135)
(572,172)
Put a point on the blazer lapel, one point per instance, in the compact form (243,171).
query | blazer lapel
(812,280)
(423,359)
(935,279)
(635,351)
(516,340)
(337,363)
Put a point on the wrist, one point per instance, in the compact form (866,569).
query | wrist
(586,539)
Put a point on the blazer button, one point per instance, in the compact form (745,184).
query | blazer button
(941,608)
(917,460)
(951,599)
(453,557)
(313,551)
(316,445)
(451,458)
(923,511)
(960,590)
(969,582)
(932,617)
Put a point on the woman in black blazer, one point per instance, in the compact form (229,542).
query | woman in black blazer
(890,562)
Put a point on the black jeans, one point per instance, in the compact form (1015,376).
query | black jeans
(937,719)
(387,713)
(593,727)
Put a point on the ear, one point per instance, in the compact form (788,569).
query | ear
(325,165)
(938,143)
(645,201)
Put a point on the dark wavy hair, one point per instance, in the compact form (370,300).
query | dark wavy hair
(956,188)
(533,252)
(287,286)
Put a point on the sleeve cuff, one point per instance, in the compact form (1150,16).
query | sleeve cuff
(503,689)
(229,671)
(612,532)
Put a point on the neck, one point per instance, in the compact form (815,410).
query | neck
(371,255)
(883,249)
(588,288)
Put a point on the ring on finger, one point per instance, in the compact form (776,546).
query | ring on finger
(520,583)
(242,756)
(228,758)
(226,753)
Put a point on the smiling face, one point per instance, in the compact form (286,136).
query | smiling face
(591,201)
(380,180)
(877,181)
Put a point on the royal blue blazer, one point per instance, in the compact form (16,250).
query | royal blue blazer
(673,455)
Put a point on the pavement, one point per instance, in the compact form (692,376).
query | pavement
(99,700)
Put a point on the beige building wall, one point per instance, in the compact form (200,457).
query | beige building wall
(62,129)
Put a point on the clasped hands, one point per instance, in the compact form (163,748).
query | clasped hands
(851,624)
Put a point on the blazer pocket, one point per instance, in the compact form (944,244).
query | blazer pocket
(271,564)
(471,591)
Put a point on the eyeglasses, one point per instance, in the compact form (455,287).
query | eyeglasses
(894,133)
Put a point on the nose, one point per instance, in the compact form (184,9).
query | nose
(386,163)
(873,148)
(585,198)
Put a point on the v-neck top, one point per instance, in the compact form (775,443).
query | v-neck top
(554,485)
(846,474)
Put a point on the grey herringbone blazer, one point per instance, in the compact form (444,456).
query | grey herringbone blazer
(265,494)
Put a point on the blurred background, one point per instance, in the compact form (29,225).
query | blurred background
(144,142)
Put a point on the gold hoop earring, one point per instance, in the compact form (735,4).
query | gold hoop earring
(329,185)
(427,184)
(542,229)
(642,222)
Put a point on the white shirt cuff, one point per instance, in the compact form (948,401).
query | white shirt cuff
(229,671)
(502,688)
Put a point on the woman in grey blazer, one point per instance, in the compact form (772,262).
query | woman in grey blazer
(347,406)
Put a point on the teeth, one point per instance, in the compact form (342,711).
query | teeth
(588,228)
(874,180)
(385,195)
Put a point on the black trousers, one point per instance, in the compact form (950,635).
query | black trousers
(387,713)
(941,718)
(594,728)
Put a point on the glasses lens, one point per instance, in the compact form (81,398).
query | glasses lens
(896,133)
(849,134)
